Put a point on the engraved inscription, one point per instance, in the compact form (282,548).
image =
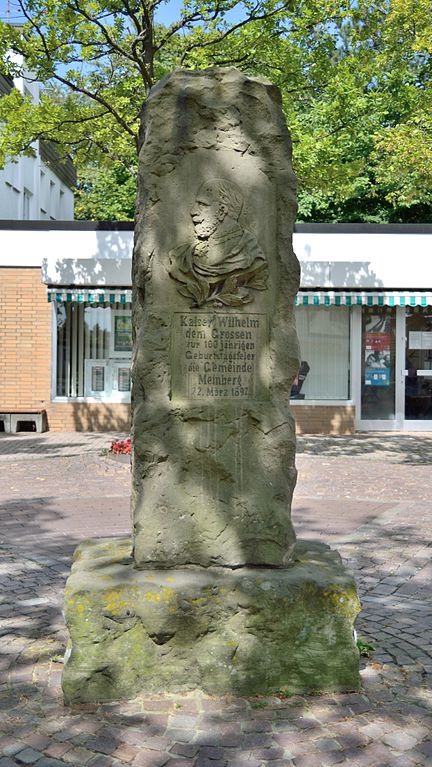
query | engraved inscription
(223,262)
(218,356)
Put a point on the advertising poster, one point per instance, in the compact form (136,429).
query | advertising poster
(123,333)
(377,352)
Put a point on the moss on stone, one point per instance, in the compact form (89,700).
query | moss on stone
(214,629)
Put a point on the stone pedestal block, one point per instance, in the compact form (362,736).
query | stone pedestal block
(244,631)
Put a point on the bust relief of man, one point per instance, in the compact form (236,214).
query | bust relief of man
(224,260)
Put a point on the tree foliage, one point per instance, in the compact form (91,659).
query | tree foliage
(354,75)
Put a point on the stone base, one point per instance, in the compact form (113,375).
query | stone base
(246,631)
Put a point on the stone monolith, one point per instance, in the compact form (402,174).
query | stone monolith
(213,592)
(216,349)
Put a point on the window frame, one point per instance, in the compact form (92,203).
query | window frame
(111,364)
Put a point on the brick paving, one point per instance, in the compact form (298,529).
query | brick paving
(369,496)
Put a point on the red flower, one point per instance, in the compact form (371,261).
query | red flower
(122,446)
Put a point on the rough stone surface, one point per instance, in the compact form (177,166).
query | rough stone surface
(216,350)
(241,631)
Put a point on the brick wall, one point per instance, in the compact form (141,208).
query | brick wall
(88,416)
(25,339)
(25,359)
(324,419)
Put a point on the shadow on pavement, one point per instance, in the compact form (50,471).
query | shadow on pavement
(50,445)
(397,448)
(390,717)
(394,706)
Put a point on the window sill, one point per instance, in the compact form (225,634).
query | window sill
(93,400)
(321,402)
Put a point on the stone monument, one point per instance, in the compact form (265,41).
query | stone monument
(213,592)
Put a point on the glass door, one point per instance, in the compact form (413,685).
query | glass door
(378,370)
(418,369)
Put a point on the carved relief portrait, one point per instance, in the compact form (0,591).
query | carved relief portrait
(224,262)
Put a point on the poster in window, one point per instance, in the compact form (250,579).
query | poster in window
(98,378)
(418,339)
(377,351)
(123,379)
(123,333)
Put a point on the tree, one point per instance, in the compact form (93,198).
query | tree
(107,54)
(360,114)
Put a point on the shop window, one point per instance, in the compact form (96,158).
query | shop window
(324,336)
(94,349)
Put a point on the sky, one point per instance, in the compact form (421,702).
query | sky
(166,13)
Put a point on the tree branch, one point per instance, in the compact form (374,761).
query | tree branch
(96,97)
(223,35)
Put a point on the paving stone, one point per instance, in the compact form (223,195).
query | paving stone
(401,741)
(182,720)
(185,749)
(211,752)
(101,761)
(267,754)
(254,726)
(180,763)
(225,740)
(78,756)
(125,753)
(48,762)
(14,747)
(326,744)
(38,741)
(203,761)
(401,761)
(255,739)
(57,750)
(246,760)
(352,739)
(184,736)
(148,758)
(63,735)
(105,744)
(425,748)
(307,760)
(28,756)
(333,757)
(138,738)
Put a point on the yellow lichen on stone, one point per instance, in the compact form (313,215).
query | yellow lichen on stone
(114,601)
(152,596)
(79,603)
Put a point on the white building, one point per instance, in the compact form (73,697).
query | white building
(39,186)
(363,312)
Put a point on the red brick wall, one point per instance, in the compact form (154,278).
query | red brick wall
(88,416)
(25,339)
(324,419)
(25,359)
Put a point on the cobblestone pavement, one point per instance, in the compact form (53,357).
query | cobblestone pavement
(369,496)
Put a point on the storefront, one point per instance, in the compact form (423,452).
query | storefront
(368,354)
(364,320)
(363,313)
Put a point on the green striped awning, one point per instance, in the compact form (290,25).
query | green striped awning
(363,298)
(89,296)
(303,297)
